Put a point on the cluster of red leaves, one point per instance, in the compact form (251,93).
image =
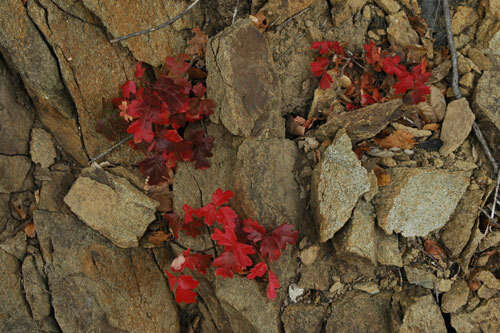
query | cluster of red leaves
(237,241)
(157,113)
(372,84)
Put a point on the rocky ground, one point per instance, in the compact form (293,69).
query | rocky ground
(408,251)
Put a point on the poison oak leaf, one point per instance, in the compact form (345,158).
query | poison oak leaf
(177,66)
(326,81)
(226,216)
(139,70)
(193,261)
(257,271)
(272,285)
(154,168)
(174,223)
(284,234)
(208,213)
(255,231)
(128,88)
(183,286)
(319,66)
(220,197)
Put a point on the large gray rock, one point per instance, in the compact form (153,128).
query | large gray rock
(25,50)
(111,289)
(14,171)
(264,183)
(111,205)
(457,231)
(485,319)
(360,312)
(338,182)
(243,81)
(14,310)
(457,125)
(16,118)
(419,200)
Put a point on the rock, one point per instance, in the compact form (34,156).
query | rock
(264,183)
(246,297)
(486,293)
(317,276)
(489,279)
(42,148)
(346,312)
(36,290)
(368,196)
(440,72)
(368,287)
(492,239)
(420,277)
(363,124)
(351,20)
(388,249)
(25,50)
(465,65)
(131,16)
(388,162)
(14,171)
(444,285)
(457,125)
(15,246)
(423,316)
(299,318)
(112,289)
(434,109)
(467,80)
(413,131)
(112,206)
(309,255)
(14,311)
(419,200)
(53,189)
(464,17)
(359,237)
(389,6)
(322,102)
(88,81)
(243,82)
(457,297)
(486,108)
(16,119)
(485,318)
(457,231)
(400,32)
(479,59)
(338,182)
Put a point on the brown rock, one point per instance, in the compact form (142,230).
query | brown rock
(338,182)
(388,249)
(419,200)
(88,80)
(14,172)
(42,148)
(479,59)
(27,52)
(464,17)
(298,318)
(400,32)
(440,72)
(243,81)
(420,277)
(15,119)
(36,289)
(423,316)
(485,318)
(351,19)
(389,6)
(361,124)
(457,125)
(458,230)
(111,289)
(264,184)
(457,297)
(111,205)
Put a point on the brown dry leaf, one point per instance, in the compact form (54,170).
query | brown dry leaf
(260,21)
(383,177)
(433,248)
(474,285)
(431,127)
(29,230)
(197,44)
(296,126)
(163,195)
(158,237)
(400,139)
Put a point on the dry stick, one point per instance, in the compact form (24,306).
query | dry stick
(158,27)
(110,149)
(235,11)
(458,94)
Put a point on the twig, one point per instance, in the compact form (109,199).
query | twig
(110,149)
(185,248)
(158,27)
(495,196)
(292,17)
(235,11)
(454,82)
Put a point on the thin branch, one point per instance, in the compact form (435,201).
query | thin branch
(235,13)
(158,27)
(110,149)
(204,251)
(495,196)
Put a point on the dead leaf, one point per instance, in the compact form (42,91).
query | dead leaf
(163,195)
(383,177)
(474,285)
(433,248)
(30,231)
(296,126)
(196,46)
(431,127)
(400,139)
(158,237)
(260,21)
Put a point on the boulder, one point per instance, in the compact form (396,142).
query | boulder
(338,182)
(419,200)
(243,82)
(111,289)
(485,318)
(14,171)
(112,206)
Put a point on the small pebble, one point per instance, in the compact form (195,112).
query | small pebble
(376,152)
(388,162)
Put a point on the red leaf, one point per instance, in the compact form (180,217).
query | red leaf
(202,149)
(155,169)
(284,234)
(177,66)
(272,285)
(173,223)
(227,217)
(191,226)
(128,88)
(326,81)
(208,213)
(319,66)
(373,55)
(139,70)
(226,264)
(221,197)
(173,135)
(257,271)
(255,231)
(183,286)
(324,47)
(240,251)
(404,84)
(197,261)
(419,91)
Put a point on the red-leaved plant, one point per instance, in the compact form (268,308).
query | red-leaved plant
(245,246)
(157,113)
(375,72)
